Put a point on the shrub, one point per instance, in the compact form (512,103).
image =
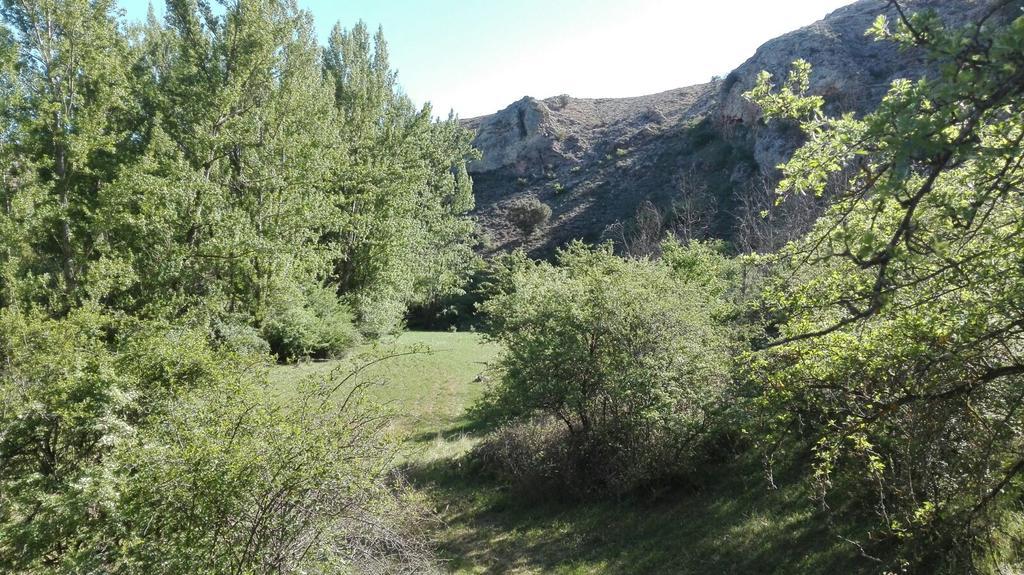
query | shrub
(532,455)
(311,323)
(130,447)
(528,214)
(627,356)
(284,489)
(702,263)
(64,405)
(539,457)
(241,339)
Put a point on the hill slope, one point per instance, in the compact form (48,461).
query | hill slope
(695,159)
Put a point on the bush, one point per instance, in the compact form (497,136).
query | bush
(130,447)
(628,357)
(532,455)
(312,323)
(241,339)
(528,215)
(286,489)
(541,458)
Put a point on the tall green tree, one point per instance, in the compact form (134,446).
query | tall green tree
(12,237)
(75,129)
(221,163)
(246,125)
(404,191)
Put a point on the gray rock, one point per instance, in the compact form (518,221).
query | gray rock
(597,161)
(851,70)
(516,135)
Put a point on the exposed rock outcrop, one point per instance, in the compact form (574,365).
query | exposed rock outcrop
(577,155)
(596,162)
(851,70)
(520,135)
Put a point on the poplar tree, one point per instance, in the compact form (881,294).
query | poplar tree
(73,133)
(404,190)
(243,107)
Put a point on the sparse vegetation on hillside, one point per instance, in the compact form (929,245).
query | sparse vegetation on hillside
(528,215)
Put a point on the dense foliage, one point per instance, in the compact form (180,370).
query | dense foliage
(899,317)
(628,355)
(221,164)
(155,453)
(179,199)
(183,200)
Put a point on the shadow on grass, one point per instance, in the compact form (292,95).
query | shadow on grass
(471,428)
(730,522)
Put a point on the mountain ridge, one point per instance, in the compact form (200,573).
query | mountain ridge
(698,157)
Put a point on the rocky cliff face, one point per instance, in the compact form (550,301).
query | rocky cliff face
(693,156)
(851,70)
(590,160)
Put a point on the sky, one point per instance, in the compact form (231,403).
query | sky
(478,56)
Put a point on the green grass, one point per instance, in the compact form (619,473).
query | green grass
(731,523)
(429,383)
(728,521)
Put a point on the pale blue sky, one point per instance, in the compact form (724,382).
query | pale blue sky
(478,56)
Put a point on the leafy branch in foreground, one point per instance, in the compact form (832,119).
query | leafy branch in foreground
(901,315)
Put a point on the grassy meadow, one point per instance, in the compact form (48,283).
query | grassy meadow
(428,381)
(730,521)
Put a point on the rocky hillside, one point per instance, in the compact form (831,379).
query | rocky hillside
(699,160)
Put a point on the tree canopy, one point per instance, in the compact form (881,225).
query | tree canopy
(222,163)
(179,199)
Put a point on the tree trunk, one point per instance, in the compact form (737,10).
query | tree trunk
(67,254)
